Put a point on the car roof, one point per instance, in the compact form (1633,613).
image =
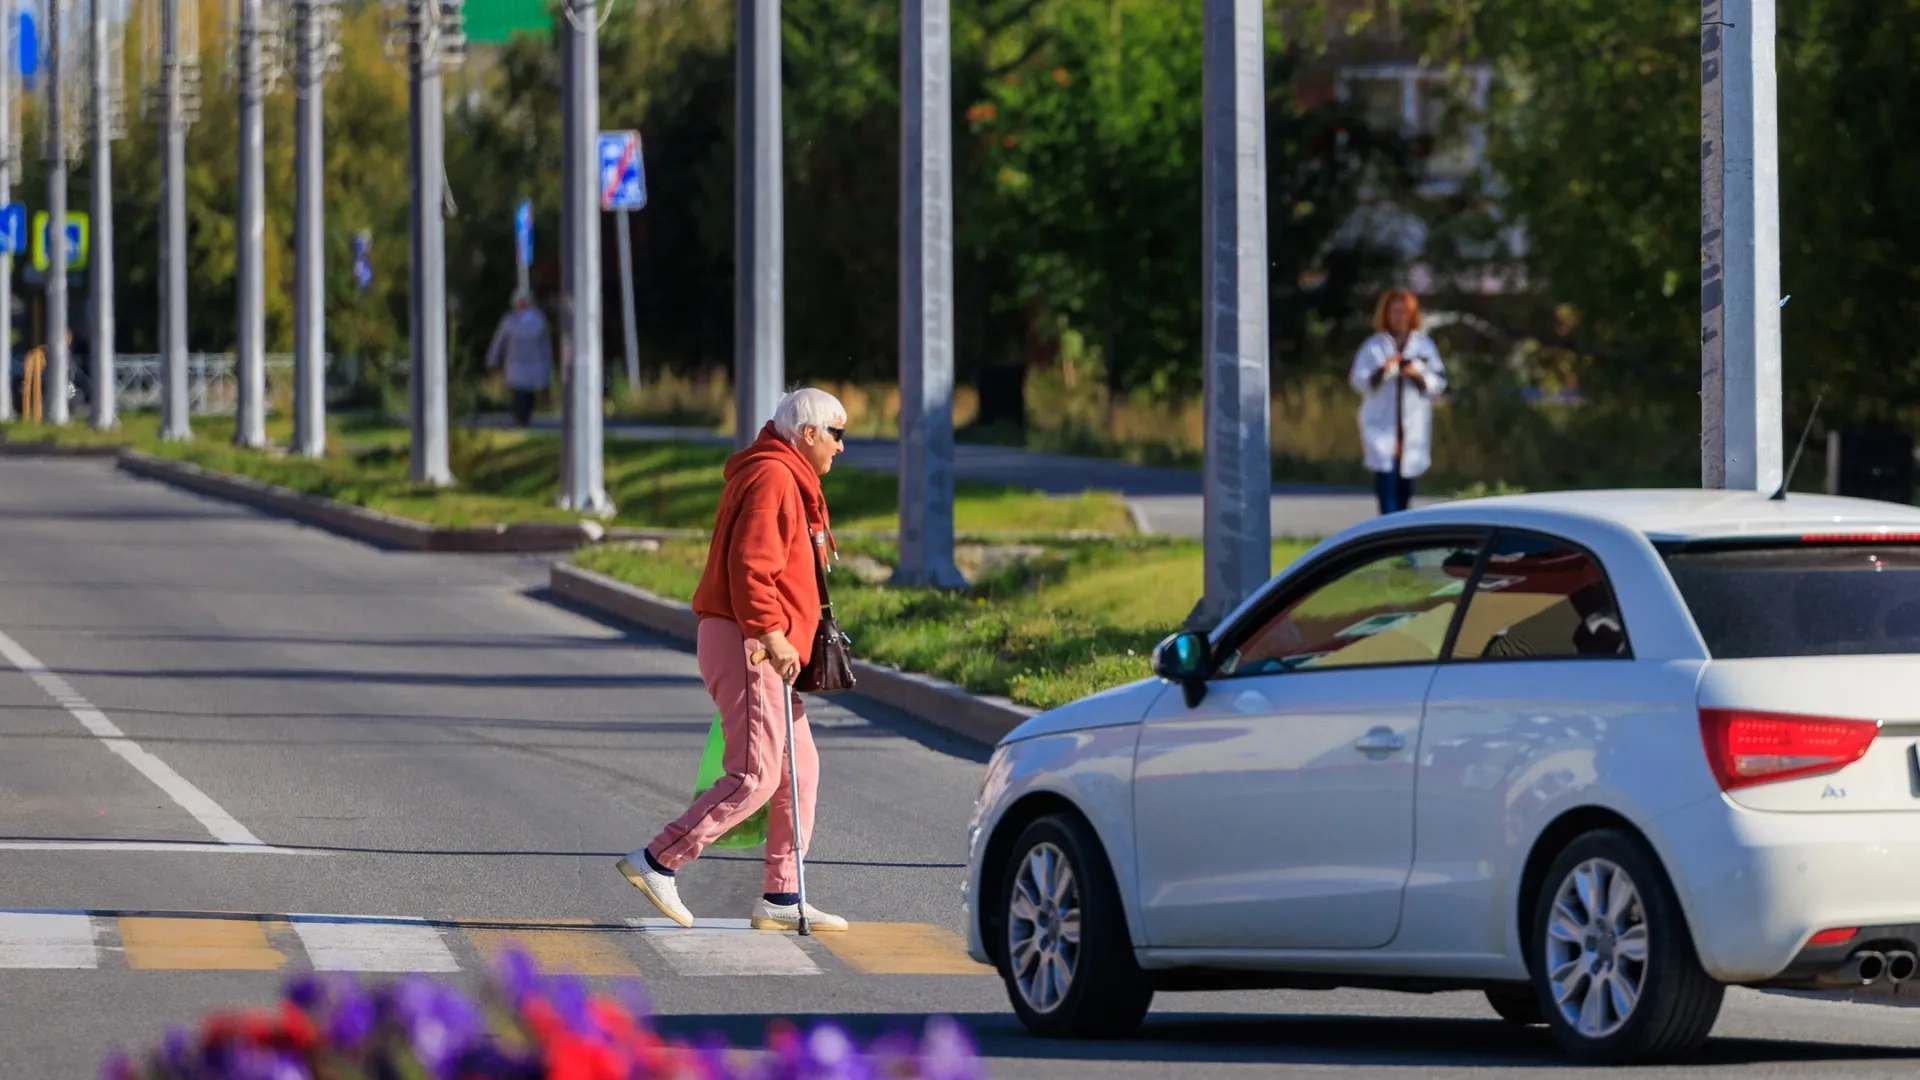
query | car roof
(1692,514)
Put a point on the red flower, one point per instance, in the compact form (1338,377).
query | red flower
(297,1028)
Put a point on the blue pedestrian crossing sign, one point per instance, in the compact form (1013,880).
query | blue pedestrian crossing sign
(13,229)
(523,232)
(77,237)
(623,181)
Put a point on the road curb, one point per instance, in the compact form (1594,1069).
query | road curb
(360,523)
(982,719)
(50,449)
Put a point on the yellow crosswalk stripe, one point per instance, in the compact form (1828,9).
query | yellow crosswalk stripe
(198,944)
(579,946)
(874,948)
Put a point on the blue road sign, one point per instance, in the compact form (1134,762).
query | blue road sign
(523,232)
(29,45)
(13,229)
(623,182)
(363,259)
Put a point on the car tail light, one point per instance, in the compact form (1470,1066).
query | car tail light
(1839,935)
(1747,747)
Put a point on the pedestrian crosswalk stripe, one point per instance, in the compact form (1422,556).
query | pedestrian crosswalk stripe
(563,945)
(725,949)
(197,944)
(903,949)
(147,940)
(47,939)
(344,943)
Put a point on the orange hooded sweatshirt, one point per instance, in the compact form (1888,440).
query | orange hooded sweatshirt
(758,573)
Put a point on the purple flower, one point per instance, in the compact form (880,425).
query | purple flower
(306,990)
(632,994)
(568,995)
(516,974)
(440,1021)
(176,1050)
(947,1052)
(352,1021)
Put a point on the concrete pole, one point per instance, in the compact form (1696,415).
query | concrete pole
(585,489)
(629,323)
(105,415)
(174,402)
(571,151)
(310,285)
(1238,469)
(1740,417)
(249,363)
(9,38)
(759,318)
(54,378)
(926,299)
(429,301)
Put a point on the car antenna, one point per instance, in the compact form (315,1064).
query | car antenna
(1781,495)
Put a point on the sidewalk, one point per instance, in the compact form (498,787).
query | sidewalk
(1164,501)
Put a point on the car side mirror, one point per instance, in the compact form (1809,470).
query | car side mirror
(1185,658)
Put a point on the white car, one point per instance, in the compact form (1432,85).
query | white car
(1597,754)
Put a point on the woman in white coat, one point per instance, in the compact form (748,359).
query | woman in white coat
(1398,373)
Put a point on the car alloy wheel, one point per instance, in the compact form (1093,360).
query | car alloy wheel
(1596,948)
(1043,928)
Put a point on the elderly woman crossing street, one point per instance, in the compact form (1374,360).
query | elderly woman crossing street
(759,607)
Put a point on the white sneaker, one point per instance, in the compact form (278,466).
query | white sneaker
(658,888)
(768,915)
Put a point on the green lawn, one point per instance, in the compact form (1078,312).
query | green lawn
(514,476)
(1064,622)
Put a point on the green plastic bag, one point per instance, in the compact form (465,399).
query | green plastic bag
(749,833)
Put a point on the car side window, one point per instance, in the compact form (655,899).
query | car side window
(1540,598)
(1393,608)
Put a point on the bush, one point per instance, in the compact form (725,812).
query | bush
(523,1026)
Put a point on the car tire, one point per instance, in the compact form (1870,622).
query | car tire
(1106,994)
(1633,945)
(1517,1005)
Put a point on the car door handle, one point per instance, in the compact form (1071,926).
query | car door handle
(1381,740)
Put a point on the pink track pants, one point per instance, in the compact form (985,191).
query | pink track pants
(755,760)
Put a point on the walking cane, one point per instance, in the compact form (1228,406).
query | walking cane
(793,788)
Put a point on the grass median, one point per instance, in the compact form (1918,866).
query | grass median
(1042,623)
(505,476)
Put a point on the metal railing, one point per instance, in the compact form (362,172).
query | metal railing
(211,389)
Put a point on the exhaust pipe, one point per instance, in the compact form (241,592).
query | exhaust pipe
(1863,968)
(1901,965)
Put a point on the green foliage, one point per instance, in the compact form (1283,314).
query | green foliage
(1594,135)
(1046,628)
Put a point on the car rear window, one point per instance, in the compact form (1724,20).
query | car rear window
(1803,600)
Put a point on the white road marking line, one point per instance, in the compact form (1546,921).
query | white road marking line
(44,939)
(196,847)
(726,950)
(191,799)
(350,943)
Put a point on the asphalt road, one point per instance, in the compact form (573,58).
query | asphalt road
(232,747)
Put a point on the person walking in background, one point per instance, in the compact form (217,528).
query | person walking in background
(523,344)
(758,604)
(1398,373)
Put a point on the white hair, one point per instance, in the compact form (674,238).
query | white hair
(807,405)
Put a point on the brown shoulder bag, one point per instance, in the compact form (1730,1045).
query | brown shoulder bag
(830,669)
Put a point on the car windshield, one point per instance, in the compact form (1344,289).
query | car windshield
(1803,600)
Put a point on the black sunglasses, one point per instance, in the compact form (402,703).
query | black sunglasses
(839,433)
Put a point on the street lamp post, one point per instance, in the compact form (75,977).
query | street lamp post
(1238,470)
(315,54)
(170,71)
